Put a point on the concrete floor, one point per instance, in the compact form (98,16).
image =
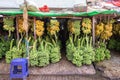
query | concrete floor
(67,72)
(59,77)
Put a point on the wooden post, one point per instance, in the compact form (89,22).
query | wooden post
(93,30)
(17,29)
(25,17)
(25,25)
(34,28)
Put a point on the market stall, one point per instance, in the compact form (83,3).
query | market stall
(40,36)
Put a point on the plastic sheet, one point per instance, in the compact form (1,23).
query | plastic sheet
(55,14)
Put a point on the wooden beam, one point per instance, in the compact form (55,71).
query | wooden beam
(69,17)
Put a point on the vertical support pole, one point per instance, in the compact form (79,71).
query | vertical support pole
(25,17)
(93,30)
(25,25)
(34,28)
(17,28)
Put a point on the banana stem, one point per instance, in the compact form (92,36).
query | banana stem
(19,43)
(78,43)
(11,44)
(34,45)
(41,45)
(55,38)
(46,45)
(9,33)
(75,38)
(90,41)
(53,42)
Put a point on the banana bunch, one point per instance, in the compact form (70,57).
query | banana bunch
(9,24)
(107,33)
(86,26)
(99,29)
(71,27)
(20,25)
(104,31)
(74,26)
(101,52)
(53,27)
(39,28)
(34,55)
(116,29)
(21,29)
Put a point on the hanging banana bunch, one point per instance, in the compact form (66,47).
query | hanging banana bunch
(39,28)
(116,28)
(107,33)
(53,27)
(99,29)
(71,28)
(74,27)
(9,24)
(104,31)
(86,25)
(21,29)
(20,25)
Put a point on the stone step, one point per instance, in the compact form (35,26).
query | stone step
(110,68)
